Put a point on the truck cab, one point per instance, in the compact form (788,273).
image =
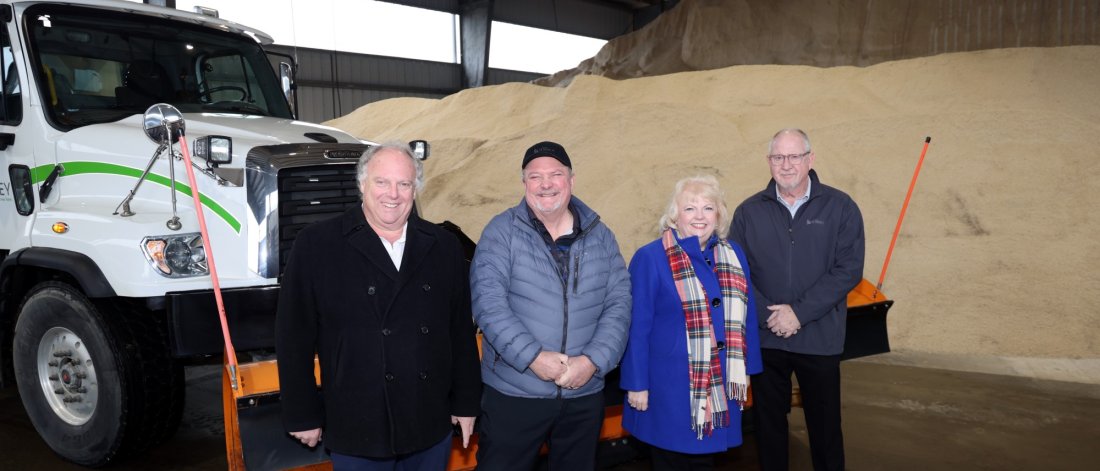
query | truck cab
(104,280)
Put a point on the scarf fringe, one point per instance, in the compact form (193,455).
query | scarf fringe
(717,420)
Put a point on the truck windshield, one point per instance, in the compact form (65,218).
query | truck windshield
(97,66)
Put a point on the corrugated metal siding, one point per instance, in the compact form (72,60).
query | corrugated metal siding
(391,72)
(351,100)
(334,83)
(315,104)
(450,6)
(312,64)
(499,76)
(362,79)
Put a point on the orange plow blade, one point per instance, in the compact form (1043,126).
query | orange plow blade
(867,333)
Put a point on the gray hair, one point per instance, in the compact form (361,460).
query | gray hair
(361,167)
(701,185)
(788,131)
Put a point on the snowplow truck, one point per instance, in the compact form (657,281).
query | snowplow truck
(104,280)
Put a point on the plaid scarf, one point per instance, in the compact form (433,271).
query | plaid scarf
(707,393)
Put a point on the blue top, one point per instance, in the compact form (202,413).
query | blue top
(656,356)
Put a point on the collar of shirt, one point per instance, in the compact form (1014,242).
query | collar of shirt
(564,240)
(397,248)
(559,249)
(798,202)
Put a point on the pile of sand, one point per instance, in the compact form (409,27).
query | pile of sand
(712,34)
(998,252)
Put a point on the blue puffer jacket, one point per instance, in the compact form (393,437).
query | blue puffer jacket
(523,307)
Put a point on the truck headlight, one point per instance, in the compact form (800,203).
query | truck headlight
(215,150)
(177,255)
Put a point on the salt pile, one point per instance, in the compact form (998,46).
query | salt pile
(999,251)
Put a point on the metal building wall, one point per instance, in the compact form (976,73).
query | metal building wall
(334,83)
(499,76)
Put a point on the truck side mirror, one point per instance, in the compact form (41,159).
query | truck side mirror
(286,79)
(157,121)
(421,149)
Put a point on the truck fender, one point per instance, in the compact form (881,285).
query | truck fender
(85,271)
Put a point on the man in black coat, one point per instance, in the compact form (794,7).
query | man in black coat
(382,297)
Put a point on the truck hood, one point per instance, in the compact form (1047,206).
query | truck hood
(251,131)
(124,142)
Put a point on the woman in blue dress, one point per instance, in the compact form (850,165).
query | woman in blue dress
(693,338)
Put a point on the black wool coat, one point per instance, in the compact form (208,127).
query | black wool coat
(397,348)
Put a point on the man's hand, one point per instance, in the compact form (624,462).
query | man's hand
(782,321)
(639,400)
(308,438)
(467,426)
(578,373)
(549,366)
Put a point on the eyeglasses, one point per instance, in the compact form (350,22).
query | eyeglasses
(794,159)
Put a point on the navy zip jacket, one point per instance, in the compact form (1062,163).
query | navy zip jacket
(810,262)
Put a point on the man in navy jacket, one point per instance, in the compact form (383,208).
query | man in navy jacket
(804,242)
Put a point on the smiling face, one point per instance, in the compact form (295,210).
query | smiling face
(388,190)
(548,185)
(790,177)
(696,215)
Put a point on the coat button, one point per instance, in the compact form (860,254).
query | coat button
(370,290)
(389,376)
(426,287)
(386,332)
(423,329)
(716,302)
(423,375)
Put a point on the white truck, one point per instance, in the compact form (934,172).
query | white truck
(104,283)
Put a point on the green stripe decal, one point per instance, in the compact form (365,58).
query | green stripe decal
(38,174)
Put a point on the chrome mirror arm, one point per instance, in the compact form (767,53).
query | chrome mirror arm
(125,204)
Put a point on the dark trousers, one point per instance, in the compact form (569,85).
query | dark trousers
(511,430)
(432,459)
(668,460)
(819,382)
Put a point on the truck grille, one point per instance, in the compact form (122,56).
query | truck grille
(311,194)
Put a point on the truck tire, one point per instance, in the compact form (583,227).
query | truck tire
(96,378)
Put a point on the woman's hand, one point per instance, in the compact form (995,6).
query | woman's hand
(639,400)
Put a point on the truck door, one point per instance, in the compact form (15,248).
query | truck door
(17,196)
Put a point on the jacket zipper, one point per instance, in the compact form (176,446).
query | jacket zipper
(565,283)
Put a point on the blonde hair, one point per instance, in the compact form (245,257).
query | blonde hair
(705,186)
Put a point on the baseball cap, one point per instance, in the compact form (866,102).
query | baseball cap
(547,149)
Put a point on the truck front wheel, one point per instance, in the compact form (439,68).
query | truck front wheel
(90,375)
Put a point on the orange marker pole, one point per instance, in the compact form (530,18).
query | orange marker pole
(904,206)
(230,352)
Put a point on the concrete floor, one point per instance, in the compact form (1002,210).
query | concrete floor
(896,417)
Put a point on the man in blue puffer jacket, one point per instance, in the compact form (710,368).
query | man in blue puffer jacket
(551,295)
